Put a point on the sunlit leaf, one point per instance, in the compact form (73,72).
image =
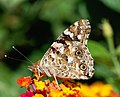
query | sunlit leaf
(99,52)
(113,4)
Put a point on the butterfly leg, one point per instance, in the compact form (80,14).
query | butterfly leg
(54,75)
(52,70)
(40,73)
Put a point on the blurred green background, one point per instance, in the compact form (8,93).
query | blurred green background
(32,25)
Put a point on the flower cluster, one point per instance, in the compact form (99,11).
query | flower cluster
(38,88)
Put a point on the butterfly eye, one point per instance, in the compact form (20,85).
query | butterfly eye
(83,67)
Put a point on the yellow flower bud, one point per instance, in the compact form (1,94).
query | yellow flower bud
(107,29)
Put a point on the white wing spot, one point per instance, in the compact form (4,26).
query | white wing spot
(79,36)
(70,59)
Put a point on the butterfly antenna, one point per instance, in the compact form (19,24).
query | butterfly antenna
(22,55)
(6,56)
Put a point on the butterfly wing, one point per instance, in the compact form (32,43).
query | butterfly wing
(68,56)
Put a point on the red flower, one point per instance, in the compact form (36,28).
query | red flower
(74,95)
(44,93)
(24,81)
(27,94)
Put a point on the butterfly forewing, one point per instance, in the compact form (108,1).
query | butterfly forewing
(68,56)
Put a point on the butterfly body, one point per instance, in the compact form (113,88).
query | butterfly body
(68,56)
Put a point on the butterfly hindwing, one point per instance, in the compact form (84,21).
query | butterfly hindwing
(68,56)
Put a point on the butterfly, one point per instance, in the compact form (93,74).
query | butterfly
(68,56)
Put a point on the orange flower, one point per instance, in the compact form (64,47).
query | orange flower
(53,85)
(24,81)
(50,89)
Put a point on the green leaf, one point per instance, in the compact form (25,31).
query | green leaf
(83,11)
(115,82)
(99,68)
(60,10)
(113,4)
(10,4)
(117,51)
(99,52)
(8,86)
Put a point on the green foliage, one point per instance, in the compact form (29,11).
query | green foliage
(16,21)
(113,4)
(99,52)
(118,50)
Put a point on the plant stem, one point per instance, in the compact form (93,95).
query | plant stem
(113,55)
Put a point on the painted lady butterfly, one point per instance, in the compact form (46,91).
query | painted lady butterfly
(68,56)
